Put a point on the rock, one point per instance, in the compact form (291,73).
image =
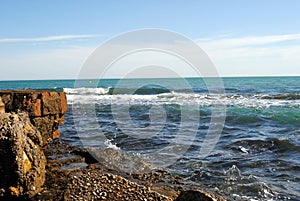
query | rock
(45,109)
(197,195)
(2,106)
(121,161)
(95,185)
(98,182)
(22,166)
(14,191)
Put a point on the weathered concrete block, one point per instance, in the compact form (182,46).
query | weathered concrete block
(48,126)
(45,109)
(22,166)
(51,103)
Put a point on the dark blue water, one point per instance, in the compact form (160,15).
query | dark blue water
(166,121)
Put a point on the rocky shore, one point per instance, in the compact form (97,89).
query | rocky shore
(36,165)
(73,174)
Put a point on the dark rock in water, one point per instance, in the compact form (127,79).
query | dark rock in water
(195,195)
(122,161)
(22,166)
(45,109)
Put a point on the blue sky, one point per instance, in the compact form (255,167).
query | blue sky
(52,39)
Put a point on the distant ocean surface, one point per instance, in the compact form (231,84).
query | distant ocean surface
(257,156)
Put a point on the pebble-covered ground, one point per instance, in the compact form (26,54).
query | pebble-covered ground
(73,174)
(95,185)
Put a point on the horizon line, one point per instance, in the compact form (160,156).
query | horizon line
(116,78)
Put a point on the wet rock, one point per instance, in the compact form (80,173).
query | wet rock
(22,166)
(97,181)
(121,161)
(197,195)
(45,109)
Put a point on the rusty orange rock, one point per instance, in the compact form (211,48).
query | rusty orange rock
(45,109)
(37,108)
(64,105)
(56,134)
(14,191)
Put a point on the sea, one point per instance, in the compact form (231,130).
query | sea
(243,143)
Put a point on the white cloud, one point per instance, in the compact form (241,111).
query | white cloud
(47,38)
(254,55)
(220,42)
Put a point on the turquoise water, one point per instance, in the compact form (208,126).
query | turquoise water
(256,156)
(239,85)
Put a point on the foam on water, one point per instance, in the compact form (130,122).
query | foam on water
(101,96)
(87,91)
(109,144)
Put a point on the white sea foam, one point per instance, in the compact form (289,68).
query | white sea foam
(87,91)
(101,96)
(108,143)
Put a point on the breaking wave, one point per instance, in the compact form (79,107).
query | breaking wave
(156,96)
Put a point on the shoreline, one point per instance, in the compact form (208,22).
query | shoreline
(37,165)
(73,174)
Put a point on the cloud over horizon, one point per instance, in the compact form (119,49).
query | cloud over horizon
(254,55)
(225,42)
(233,56)
(46,38)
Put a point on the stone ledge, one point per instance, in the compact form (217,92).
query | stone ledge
(45,109)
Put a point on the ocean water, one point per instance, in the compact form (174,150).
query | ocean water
(172,123)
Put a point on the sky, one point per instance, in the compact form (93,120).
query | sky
(53,39)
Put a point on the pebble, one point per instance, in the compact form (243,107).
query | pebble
(112,187)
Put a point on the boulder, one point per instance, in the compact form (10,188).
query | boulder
(22,166)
